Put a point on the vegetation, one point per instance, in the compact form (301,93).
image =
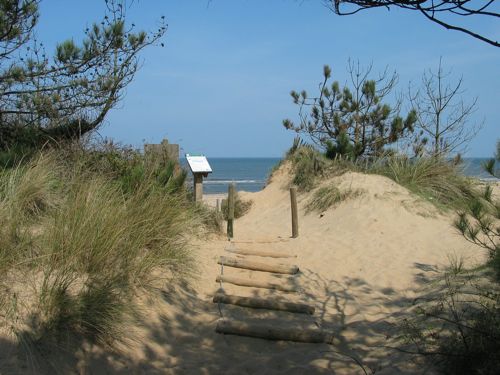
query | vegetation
(78,244)
(127,166)
(480,221)
(443,117)
(241,207)
(327,196)
(84,228)
(445,13)
(457,323)
(352,122)
(49,99)
(434,179)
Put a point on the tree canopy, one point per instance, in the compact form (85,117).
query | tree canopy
(68,93)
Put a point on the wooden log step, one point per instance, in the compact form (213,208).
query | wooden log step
(255,283)
(259,241)
(262,303)
(270,332)
(261,253)
(258,266)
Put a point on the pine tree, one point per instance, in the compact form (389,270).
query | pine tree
(52,98)
(355,121)
(480,223)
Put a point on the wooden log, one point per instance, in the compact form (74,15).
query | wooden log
(260,253)
(259,241)
(255,283)
(262,303)
(270,332)
(230,211)
(258,266)
(295,219)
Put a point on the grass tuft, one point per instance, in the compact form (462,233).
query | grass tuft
(434,179)
(241,207)
(327,196)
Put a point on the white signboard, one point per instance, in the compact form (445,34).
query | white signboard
(198,164)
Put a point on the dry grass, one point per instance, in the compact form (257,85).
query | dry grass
(327,196)
(241,207)
(434,179)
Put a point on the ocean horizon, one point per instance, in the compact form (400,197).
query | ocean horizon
(251,173)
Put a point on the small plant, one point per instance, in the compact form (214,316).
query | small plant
(457,323)
(327,196)
(490,165)
(241,207)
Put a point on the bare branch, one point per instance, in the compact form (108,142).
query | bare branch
(433,10)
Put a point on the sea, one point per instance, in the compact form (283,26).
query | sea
(251,174)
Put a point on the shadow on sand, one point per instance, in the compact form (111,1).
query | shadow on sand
(182,338)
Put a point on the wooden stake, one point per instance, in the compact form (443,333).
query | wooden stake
(230,211)
(258,266)
(255,283)
(198,187)
(270,332)
(262,303)
(295,219)
(261,253)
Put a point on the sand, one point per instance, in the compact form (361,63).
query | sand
(363,262)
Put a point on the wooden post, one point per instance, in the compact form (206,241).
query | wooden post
(295,219)
(217,205)
(198,187)
(230,210)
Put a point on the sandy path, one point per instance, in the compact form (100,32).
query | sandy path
(362,264)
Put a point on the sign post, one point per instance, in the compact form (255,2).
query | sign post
(200,168)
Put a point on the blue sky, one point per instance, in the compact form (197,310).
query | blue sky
(221,84)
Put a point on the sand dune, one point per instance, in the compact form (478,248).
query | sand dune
(362,264)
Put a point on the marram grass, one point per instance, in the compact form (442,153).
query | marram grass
(87,249)
(327,196)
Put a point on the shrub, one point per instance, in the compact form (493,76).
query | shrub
(458,323)
(128,167)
